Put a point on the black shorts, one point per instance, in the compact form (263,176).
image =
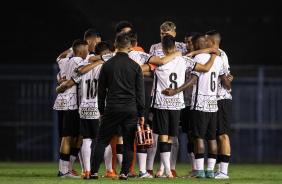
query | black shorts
(71,123)
(224,116)
(61,116)
(204,124)
(166,122)
(89,128)
(185,122)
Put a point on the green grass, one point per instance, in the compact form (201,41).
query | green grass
(29,173)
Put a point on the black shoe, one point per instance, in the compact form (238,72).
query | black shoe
(91,177)
(123,177)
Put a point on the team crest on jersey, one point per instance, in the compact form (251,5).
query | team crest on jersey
(211,104)
(89,111)
(172,102)
(61,103)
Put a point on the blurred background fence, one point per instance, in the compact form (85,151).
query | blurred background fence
(28,123)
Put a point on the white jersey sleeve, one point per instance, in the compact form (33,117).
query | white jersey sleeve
(107,56)
(140,57)
(223,93)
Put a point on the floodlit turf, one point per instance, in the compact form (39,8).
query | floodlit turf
(37,173)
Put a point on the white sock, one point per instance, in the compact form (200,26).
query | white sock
(108,156)
(165,157)
(211,163)
(142,157)
(192,160)
(218,167)
(200,163)
(86,153)
(81,161)
(151,152)
(64,166)
(120,157)
(224,167)
(72,159)
(174,152)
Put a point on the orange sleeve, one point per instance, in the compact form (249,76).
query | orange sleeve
(153,67)
(137,48)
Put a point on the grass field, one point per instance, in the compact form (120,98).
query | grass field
(29,173)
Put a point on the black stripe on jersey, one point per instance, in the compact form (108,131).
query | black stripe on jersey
(155,91)
(102,58)
(149,60)
(91,53)
(197,90)
(194,66)
(73,80)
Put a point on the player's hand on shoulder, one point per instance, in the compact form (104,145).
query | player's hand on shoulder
(230,77)
(190,54)
(169,92)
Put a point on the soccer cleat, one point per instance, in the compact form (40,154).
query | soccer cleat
(132,174)
(67,175)
(222,175)
(145,175)
(123,177)
(150,172)
(74,172)
(209,174)
(86,175)
(174,173)
(216,173)
(169,175)
(82,174)
(198,174)
(111,175)
(187,176)
(159,174)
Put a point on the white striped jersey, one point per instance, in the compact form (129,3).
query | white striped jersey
(205,90)
(223,93)
(88,97)
(68,99)
(156,49)
(171,75)
(138,56)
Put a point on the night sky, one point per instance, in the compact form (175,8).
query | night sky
(38,31)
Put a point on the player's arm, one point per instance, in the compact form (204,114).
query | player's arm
(225,82)
(64,86)
(63,55)
(86,68)
(230,77)
(187,84)
(206,67)
(149,74)
(161,61)
(60,79)
(94,58)
(206,50)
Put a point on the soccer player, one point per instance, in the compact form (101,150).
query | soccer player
(121,80)
(204,106)
(70,140)
(224,101)
(167,28)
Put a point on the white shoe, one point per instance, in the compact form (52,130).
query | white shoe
(221,175)
(160,174)
(145,175)
(169,175)
(68,175)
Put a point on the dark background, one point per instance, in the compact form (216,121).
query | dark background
(38,31)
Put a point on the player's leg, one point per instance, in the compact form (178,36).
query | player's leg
(223,130)
(108,162)
(109,124)
(212,144)
(120,149)
(199,130)
(113,144)
(151,152)
(132,173)
(128,126)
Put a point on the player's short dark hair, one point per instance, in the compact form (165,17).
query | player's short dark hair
(121,25)
(133,37)
(122,40)
(77,43)
(168,42)
(196,37)
(112,47)
(91,33)
(190,34)
(101,46)
(215,35)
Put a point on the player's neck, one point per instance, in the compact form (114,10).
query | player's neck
(122,50)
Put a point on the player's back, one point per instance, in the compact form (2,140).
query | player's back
(156,49)
(204,92)
(170,75)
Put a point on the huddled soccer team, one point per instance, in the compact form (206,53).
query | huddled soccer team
(191,89)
